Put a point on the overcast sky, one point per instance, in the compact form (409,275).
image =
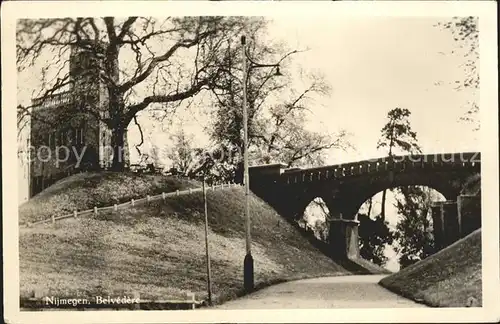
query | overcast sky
(374,65)
(377,64)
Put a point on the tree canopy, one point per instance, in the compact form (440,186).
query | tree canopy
(397,135)
(142,62)
(465,33)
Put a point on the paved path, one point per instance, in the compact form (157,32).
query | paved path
(361,291)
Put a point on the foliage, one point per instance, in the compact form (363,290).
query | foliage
(317,218)
(414,233)
(180,153)
(397,133)
(465,33)
(472,186)
(285,139)
(398,136)
(321,229)
(155,156)
(215,164)
(374,236)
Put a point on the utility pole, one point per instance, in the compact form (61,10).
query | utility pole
(207,249)
(248,279)
(248,273)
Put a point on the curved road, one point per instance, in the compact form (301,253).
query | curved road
(359,291)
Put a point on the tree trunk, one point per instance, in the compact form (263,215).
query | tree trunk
(119,148)
(119,123)
(370,205)
(382,211)
(384,193)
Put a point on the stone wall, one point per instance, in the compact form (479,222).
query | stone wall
(469,213)
(453,220)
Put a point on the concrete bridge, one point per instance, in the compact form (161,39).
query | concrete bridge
(345,187)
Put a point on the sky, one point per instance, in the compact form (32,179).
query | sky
(377,64)
(372,65)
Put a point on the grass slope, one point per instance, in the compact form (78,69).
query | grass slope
(86,190)
(446,279)
(159,249)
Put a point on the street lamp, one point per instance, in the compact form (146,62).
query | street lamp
(248,274)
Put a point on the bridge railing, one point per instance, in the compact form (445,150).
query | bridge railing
(395,163)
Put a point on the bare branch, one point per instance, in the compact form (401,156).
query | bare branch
(155,61)
(110,27)
(142,136)
(126,27)
(194,89)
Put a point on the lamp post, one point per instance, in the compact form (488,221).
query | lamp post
(207,249)
(248,273)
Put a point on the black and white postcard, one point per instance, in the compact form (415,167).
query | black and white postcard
(253,161)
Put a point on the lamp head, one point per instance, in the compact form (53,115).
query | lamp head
(278,72)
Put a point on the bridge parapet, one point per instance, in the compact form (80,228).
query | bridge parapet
(266,172)
(395,163)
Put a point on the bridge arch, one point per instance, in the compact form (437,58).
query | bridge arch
(359,200)
(436,195)
(345,202)
(315,218)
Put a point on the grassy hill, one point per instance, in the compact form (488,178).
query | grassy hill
(86,190)
(446,279)
(157,249)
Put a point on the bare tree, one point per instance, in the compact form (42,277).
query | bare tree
(261,86)
(465,33)
(276,111)
(141,62)
(284,137)
(181,153)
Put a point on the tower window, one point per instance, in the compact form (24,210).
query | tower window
(52,140)
(70,136)
(79,135)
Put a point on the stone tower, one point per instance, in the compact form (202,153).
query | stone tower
(67,134)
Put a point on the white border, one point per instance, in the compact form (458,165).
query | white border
(486,11)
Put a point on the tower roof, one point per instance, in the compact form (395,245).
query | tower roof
(87,45)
